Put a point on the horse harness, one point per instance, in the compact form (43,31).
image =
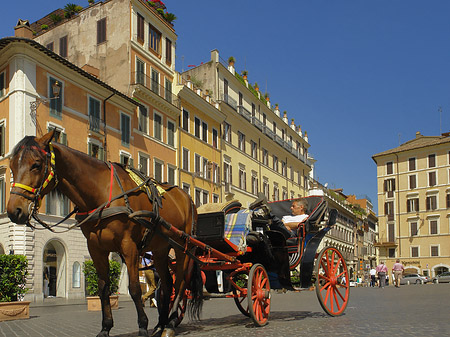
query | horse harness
(153,190)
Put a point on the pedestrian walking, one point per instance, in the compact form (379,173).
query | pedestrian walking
(373,276)
(398,270)
(381,272)
(150,277)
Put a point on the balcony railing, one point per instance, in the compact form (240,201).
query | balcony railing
(229,100)
(244,112)
(279,140)
(269,133)
(256,122)
(94,123)
(288,146)
(154,86)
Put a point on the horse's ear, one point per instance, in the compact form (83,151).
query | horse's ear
(47,138)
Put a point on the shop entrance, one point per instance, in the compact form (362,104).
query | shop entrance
(54,261)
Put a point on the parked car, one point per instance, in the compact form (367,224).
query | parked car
(415,279)
(442,278)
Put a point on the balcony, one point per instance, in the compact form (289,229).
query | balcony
(229,100)
(279,140)
(94,123)
(155,87)
(256,122)
(244,112)
(288,146)
(269,133)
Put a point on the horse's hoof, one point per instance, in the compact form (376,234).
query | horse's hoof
(168,332)
(143,333)
(157,332)
(103,333)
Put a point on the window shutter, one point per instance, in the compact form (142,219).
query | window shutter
(131,162)
(101,153)
(231,174)
(408,206)
(63,138)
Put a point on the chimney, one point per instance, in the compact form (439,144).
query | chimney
(285,118)
(215,55)
(22,29)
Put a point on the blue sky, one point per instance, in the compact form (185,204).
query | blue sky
(358,76)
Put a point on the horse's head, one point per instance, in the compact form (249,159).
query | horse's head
(31,163)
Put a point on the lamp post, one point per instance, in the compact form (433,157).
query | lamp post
(56,89)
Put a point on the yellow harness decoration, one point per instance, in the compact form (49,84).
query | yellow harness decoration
(138,180)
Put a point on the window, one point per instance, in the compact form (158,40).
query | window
(389,210)
(2,139)
(50,46)
(241,99)
(412,205)
(431,160)
(143,164)
(215,198)
(143,119)
(285,194)
(197,164)
(205,169)
(254,184)
(389,167)
(95,150)
(389,187)
(414,251)
(413,228)
(63,46)
(265,157)
(94,114)
(254,150)
(155,82)
(432,178)
(205,132)
(155,39)
(101,31)
(60,136)
(171,175)
(170,133)
(434,227)
(205,196)
(185,125)
(197,197)
(2,194)
(215,138)
(2,84)
(275,164)
(157,126)
(55,103)
(125,129)
(412,182)
(227,132)
(266,190)
(241,144)
(434,250)
(291,169)
(185,165)
(391,232)
(140,28)
(431,202)
(411,164)
(168,51)
(140,72)
(276,193)
(76,275)
(197,127)
(168,91)
(447,197)
(158,171)
(284,170)
(242,179)
(227,173)
(187,188)
(125,159)
(391,252)
(215,173)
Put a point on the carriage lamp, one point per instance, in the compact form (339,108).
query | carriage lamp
(56,89)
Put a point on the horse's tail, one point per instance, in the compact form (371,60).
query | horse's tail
(196,287)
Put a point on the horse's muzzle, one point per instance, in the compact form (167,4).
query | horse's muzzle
(18,215)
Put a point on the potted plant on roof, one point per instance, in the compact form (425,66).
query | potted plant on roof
(13,276)
(90,274)
(231,61)
(244,74)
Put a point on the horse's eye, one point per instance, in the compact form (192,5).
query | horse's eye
(36,166)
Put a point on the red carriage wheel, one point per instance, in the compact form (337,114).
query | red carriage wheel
(240,297)
(258,294)
(331,269)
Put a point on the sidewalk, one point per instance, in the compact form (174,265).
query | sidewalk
(58,301)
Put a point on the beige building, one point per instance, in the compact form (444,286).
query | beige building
(414,204)
(262,151)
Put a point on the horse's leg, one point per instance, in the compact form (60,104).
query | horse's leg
(131,257)
(161,260)
(101,263)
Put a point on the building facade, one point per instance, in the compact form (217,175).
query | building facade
(262,151)
(414,203)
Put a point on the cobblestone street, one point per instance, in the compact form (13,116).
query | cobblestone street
(414,310)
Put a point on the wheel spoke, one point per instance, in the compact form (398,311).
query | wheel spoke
(326,285)
(339,293)
(336,299)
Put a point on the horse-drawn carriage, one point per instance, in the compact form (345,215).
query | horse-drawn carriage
(119,210)
(250,268)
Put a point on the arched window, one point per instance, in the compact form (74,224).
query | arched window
(76,275)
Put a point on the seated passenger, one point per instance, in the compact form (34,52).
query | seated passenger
(298,209)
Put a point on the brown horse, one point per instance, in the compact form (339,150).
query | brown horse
(38,166)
